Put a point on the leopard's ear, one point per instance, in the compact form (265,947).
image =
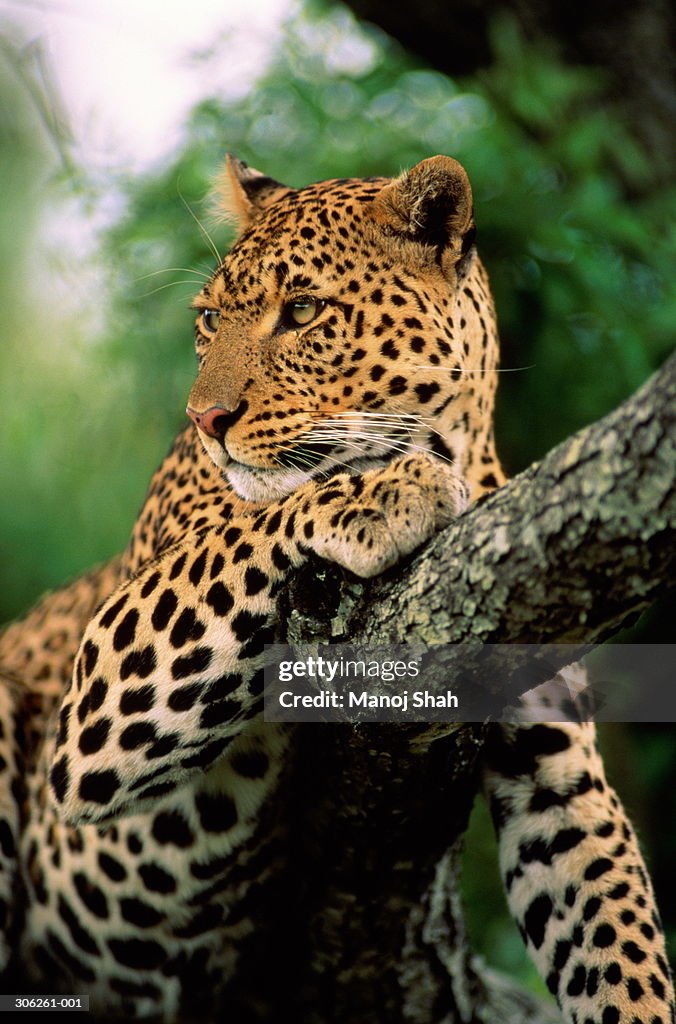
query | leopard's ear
(430,205)
(242,193)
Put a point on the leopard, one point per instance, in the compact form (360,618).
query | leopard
(343,410)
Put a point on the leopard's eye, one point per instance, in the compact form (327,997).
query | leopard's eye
(210,319)
(303,311)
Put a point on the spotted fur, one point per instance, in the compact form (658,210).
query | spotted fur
(347,354)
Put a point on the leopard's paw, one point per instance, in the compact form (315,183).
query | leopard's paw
(385,514)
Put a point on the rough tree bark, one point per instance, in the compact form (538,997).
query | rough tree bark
(564,552)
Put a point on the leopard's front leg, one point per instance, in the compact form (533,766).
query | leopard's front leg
(170,670)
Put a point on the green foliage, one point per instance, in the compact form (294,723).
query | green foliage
(76,452)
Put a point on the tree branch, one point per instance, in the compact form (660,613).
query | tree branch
(563,553)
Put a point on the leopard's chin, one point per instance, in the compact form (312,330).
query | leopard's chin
(254,483)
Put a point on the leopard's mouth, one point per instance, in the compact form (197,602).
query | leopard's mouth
(300,463)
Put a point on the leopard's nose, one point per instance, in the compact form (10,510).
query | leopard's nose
(216,421)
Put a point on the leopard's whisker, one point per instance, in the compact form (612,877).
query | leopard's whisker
(174,270)
(407,421)
(402,446)
(161,288)
(305,463)
(328,440)
(428,424)
(375,415)
(460,371)
(203,230)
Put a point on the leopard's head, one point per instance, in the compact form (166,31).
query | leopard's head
(350,322)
